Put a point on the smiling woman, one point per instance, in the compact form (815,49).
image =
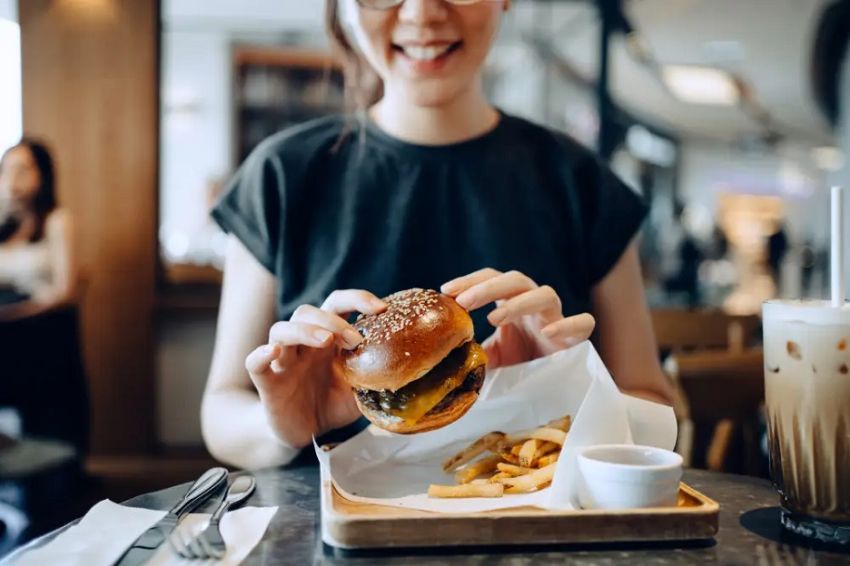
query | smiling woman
(528,231)
(426,66)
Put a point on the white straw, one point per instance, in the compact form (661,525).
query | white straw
(837,227)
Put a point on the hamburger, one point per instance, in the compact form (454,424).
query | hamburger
(418,367)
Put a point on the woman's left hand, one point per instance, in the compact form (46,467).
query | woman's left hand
(528,318)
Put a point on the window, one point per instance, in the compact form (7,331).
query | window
(10,75)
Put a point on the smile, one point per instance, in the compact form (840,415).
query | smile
(427,52)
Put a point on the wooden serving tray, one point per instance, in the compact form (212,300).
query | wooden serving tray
(350,525)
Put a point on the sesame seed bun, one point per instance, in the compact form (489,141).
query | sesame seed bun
(418,367)
(418,329)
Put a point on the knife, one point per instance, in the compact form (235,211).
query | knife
(146,545)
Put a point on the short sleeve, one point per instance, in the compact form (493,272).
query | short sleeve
(612,215)
(252,207)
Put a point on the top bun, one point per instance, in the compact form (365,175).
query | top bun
(419,328)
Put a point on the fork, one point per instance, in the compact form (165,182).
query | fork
(209,544)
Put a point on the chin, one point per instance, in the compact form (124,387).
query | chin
(418,367)
(431,94)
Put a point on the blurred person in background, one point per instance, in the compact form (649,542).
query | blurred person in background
(37,265)
(42,374)
(777,248)
(425,185)
(684,282)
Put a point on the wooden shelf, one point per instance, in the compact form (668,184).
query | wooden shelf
(283,57)
(276,87)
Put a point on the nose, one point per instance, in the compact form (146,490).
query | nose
(422,11)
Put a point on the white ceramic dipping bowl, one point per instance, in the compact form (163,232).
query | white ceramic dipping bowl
(626,476)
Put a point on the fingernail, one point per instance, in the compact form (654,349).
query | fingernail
(448,287)
(379,304)
(352,337)
(549,331)
(465,300)
(497,316)
(322,336)
(267,350)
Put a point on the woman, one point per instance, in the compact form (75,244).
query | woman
(431,187)
(38,324)
(37,264)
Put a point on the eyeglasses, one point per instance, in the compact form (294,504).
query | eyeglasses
(387,4)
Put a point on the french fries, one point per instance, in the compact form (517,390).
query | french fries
(498,477)
(548,459)
(512,470)
(529,482)
(548,434)
(467,490)
(564,423)
(472,451)
(527,452)
(510,458)
(545,448)
(476,469)
(518,463)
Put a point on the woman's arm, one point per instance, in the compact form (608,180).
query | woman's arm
(233,420)
(59,233)
(625,337)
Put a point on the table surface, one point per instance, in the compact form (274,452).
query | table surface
(749,531)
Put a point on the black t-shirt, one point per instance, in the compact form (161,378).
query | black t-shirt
(369,211)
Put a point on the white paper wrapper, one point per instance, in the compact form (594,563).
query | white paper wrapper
(395,470)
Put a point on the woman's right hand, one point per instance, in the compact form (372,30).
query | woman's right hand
(294,375)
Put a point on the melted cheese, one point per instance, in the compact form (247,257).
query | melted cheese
(427,392)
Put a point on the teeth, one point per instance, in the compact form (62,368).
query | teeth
(421,53)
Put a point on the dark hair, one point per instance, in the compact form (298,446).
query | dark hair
(45,199)
(363,87)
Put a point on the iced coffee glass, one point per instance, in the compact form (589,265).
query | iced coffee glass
(807,388)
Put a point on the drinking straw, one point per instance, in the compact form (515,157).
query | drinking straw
(837,227)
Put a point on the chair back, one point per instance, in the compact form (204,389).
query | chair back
(684,330)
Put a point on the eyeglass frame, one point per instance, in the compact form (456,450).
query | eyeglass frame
(395,3)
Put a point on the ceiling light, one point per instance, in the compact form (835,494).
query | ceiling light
(701,85)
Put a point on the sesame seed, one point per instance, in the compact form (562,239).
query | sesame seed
(402,308)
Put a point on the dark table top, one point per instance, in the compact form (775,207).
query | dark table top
(749,531)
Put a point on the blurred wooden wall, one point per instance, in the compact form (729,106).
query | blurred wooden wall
(90,90)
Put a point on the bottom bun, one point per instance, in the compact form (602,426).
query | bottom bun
(444,414)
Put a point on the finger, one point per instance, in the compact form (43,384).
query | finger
(259,361)
(457,286)
(309,314)
(543,301)
(289,333)
(504,286)
(571,330)
(353,300)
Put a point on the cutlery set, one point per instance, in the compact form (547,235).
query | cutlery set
(208,544)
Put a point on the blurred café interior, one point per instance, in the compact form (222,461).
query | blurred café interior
(726,115)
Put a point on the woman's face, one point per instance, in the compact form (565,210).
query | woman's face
(19,179)
(427,52)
